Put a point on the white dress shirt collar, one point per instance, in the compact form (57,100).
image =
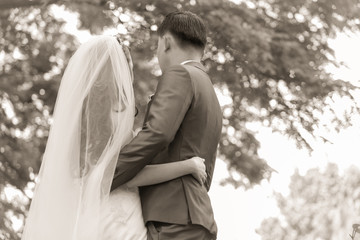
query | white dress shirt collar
(187,61)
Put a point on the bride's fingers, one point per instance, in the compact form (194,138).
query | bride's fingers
(198,178)
(201,174)
(203,177)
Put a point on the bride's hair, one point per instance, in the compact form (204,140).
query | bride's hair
(127,53)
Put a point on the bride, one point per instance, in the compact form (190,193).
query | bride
(93,120)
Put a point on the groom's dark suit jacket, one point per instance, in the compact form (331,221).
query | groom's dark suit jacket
(183,120)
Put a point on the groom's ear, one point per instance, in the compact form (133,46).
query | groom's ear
(167,43)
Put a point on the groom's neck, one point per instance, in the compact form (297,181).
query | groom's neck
(181,56)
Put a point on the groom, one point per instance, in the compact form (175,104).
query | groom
(183,120)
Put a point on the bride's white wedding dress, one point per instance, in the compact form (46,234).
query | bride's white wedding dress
(123,217)
(93,119)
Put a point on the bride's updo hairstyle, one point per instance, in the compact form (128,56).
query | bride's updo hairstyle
(187,28)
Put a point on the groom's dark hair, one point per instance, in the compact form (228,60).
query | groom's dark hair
(186,27)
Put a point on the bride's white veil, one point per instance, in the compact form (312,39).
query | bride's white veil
(93,119)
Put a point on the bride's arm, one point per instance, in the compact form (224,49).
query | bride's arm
(154,174)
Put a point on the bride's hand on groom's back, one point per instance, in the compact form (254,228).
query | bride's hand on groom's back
(199,169)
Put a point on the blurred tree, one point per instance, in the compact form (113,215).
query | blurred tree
(33,53)
(267,56)
(321,205)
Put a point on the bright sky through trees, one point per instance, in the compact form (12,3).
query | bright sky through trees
(240,212)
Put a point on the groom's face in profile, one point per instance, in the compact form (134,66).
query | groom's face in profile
(161,53)
(167,50)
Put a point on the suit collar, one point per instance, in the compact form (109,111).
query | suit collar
(197,65)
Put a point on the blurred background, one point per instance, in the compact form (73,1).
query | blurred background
(287,76)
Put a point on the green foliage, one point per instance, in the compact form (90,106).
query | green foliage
(268,55)
(321,205)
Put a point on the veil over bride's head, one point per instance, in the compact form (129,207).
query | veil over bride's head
(93,119)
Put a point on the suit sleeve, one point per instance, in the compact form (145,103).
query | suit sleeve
(170,103)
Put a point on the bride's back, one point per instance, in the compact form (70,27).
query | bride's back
(93,117)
